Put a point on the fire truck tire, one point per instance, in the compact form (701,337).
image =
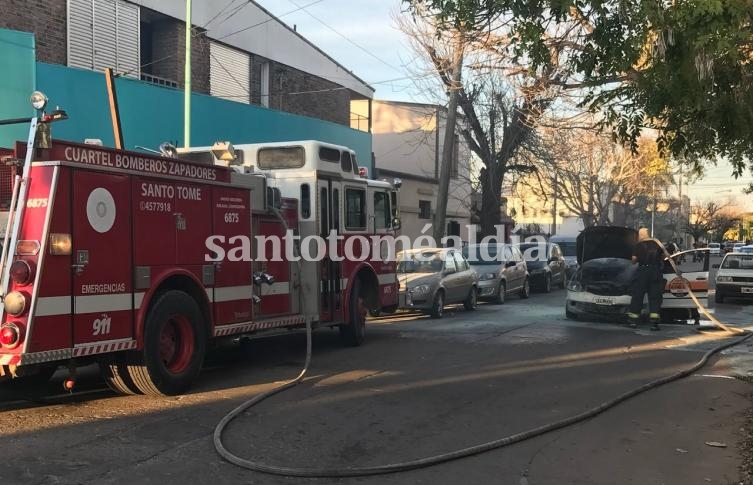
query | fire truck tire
(174,346)
(115,373)
(354,332)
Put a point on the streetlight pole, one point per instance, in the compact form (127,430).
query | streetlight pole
(653,211)
(187,81)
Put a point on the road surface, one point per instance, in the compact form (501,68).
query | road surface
(418,387)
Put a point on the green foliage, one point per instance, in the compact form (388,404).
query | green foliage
(684,67)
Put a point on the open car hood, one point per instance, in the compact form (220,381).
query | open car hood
(606,242)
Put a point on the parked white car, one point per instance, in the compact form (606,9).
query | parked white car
(735,277)
(715,249)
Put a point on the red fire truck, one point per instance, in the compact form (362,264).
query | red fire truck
(106,256)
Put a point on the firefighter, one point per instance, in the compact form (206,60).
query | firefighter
(649,257)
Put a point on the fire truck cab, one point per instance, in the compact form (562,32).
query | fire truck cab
(136,261)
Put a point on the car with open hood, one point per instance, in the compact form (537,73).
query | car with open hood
(431,278)
(602,286)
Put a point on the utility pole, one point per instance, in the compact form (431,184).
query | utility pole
(187,81)
(653,197)
(448,147)
(553,232)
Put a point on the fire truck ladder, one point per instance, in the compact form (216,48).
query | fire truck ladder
(16,210)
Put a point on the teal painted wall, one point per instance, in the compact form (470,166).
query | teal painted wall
(151,115)
(17,71)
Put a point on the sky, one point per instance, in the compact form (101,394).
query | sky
(378,53)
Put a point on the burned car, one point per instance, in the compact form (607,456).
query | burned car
(602,286)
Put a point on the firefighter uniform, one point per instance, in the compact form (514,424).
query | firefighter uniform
(648,279)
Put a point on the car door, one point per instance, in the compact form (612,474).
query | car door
(450,279)
(557,263)
(521,269)
(511,269)
(465,275)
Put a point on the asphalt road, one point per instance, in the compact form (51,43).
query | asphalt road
(418,387)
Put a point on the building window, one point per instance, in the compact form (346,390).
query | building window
(355,209)
(264,71)
(229,73)
(104,33)
(424,209)
(381,210)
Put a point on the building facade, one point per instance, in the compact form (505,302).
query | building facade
(408,140)
(239,52)
(254,79)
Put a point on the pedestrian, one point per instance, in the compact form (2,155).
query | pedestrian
(649,257)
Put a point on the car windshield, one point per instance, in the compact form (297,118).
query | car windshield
(419,263)
(533,251)
(491,254)
(569,248)
(738,261)
(714,245)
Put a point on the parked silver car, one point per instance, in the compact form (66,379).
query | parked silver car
(501,271)
(431,278)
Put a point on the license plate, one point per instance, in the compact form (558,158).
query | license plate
(607,301)
(746,290)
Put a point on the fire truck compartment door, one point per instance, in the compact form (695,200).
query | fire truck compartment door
(102,257)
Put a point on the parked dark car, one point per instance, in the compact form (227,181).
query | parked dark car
(546,265)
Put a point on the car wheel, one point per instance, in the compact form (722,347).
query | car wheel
(472,300)
(499,299)
(570,315)
(719,298)
(437,306)
(525,292)
(548,284)
(375,312)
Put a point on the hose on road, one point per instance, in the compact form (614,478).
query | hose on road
(457,454)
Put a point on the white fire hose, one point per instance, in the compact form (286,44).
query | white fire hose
(258,466)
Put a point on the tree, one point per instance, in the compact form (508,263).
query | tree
(680,67)
(596,179)
(502,98)
(711,220)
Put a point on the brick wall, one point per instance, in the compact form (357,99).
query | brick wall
(46,19)
(168,50)
(331,102)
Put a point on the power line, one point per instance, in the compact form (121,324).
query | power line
(271,18)
(198,32)
(349,40)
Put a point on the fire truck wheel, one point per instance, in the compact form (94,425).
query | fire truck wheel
(174,345)
(115,373)
(354,332)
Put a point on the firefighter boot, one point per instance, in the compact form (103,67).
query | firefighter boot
(633,319)
(654,319)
